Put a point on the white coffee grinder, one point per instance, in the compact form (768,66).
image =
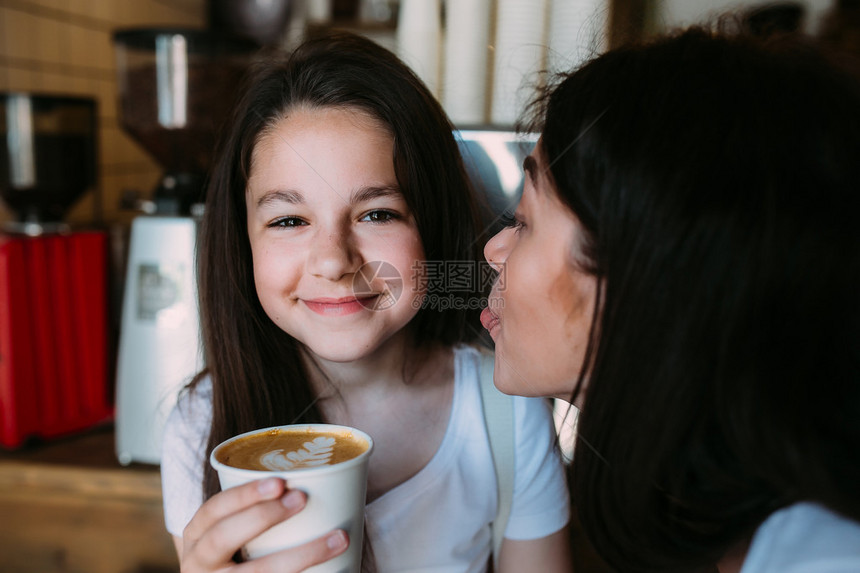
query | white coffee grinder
(175,92)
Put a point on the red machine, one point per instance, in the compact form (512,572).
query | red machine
(53,335)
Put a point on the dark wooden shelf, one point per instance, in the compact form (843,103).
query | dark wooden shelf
(69,506)
(93,448)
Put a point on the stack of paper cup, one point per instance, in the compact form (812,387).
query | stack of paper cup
(577,32)
(519,56)
(419,39)
(318,11)
(467,44)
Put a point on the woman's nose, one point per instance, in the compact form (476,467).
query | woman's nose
(333,254)
(497,249)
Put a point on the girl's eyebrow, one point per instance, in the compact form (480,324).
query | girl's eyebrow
(280,196)
(365,194)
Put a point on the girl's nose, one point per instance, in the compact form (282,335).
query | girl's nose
(498,248)
(333,254)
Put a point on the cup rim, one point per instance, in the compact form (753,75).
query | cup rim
(321,427)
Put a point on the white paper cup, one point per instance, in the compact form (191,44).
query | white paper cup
(335,499)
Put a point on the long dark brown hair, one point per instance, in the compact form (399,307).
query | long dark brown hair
(718,180)
(258,376)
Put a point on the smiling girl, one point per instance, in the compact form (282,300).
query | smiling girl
(339,177)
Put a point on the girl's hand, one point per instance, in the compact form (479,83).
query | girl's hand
(233,517)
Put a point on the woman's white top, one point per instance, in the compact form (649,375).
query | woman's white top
(805,538)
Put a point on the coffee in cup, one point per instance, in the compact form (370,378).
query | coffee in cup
(280,449)
(327,462)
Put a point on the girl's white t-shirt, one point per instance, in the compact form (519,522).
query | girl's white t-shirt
(438,520)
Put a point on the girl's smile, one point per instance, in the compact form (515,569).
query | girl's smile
(340,307)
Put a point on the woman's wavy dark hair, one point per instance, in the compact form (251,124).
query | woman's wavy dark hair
(258,377)
(718,180)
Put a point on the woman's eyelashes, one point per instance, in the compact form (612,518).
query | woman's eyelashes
(511,221)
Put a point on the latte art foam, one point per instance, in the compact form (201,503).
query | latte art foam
(282,450)
(315,453)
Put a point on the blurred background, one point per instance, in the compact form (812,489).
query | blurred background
(65,47)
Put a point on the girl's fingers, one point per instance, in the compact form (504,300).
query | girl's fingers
(252,514)
(230,501)
(229,534)
(301,557)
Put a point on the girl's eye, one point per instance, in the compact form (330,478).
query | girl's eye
(379,216)
(287,222)
(511,221)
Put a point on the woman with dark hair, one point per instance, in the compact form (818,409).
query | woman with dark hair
(337,163)
(684,266)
